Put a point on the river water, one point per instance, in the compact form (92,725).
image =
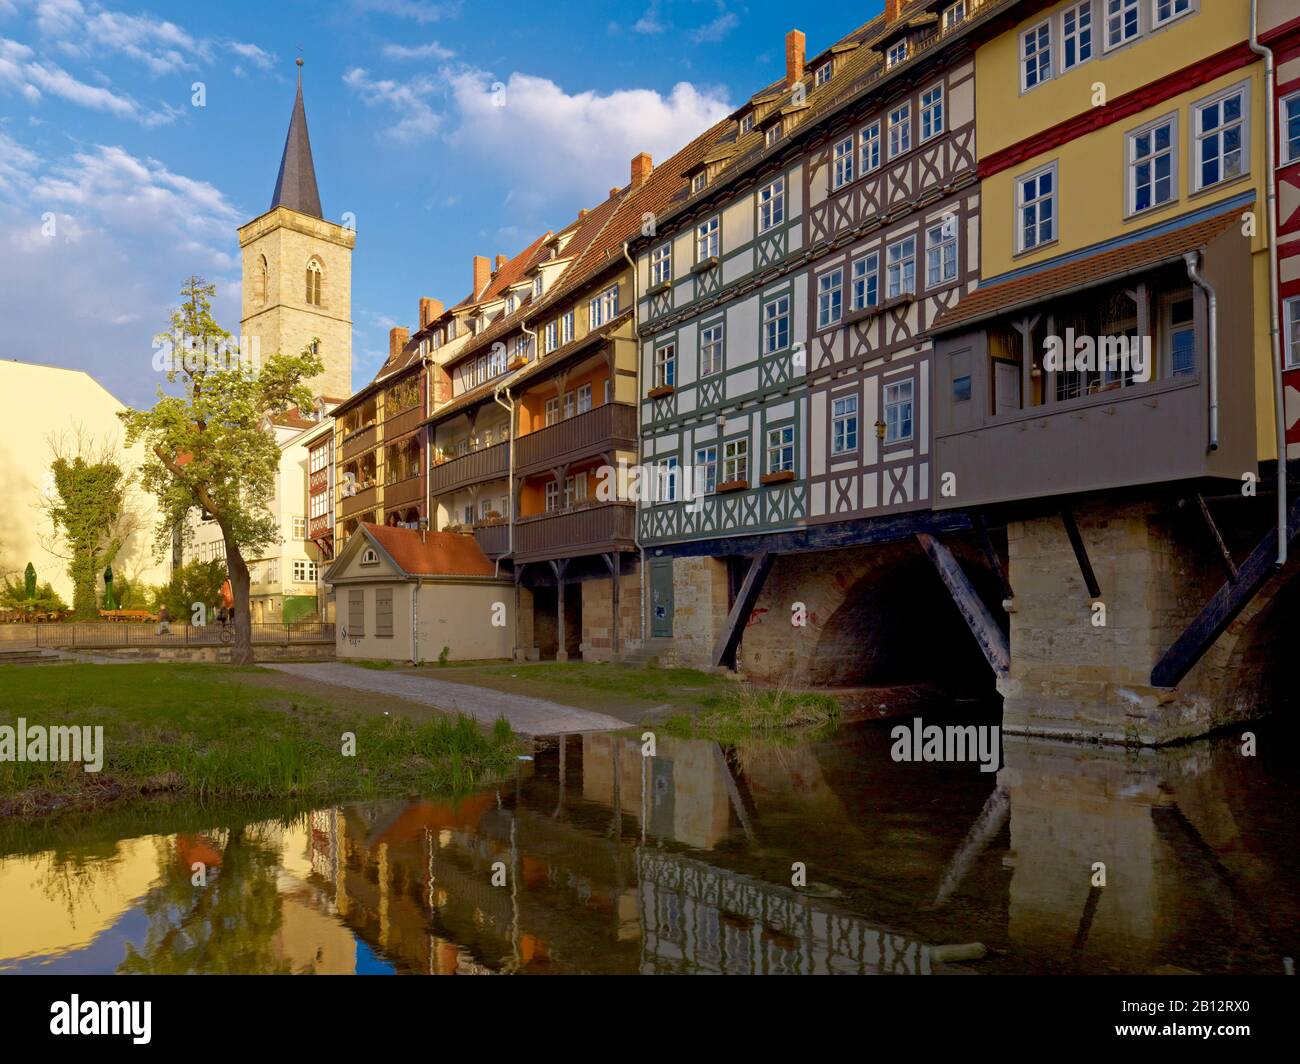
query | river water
(826,856)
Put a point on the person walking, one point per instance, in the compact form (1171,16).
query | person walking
(164,621)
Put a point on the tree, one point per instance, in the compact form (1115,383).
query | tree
(196,581)
(88,508)
(208,448)
(42,599)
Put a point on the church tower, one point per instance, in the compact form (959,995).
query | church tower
(297,283)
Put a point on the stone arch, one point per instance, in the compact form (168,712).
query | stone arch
(261,281)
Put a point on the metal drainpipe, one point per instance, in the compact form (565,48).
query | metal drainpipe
(1213,345)
(509,405)
(428,364)
(415,621)
(636,523)
(1275,346)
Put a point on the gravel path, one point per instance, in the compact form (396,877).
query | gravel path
(527,716)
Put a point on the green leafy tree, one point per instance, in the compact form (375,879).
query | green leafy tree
(42,599)
(196,581)
(208,447)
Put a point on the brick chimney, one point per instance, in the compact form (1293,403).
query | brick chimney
(397,337)
(430,310)
(482,274)
(501,263)
(893,8)
(642,165)
(794,56)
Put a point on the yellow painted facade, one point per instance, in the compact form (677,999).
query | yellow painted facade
(1092,171)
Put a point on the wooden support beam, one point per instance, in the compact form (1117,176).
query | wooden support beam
(614,563)
(1080,552)
(995,562)
(1223,608)
(988,633)
(562,648)
(724,652)
(1225,555)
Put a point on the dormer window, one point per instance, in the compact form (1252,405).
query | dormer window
(369,557)
(773,133)
(897,53)
(537,286)
(747,122)
(954,15)
(510,303)
(698,181)
(823,74)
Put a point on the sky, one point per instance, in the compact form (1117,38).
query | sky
(135,139)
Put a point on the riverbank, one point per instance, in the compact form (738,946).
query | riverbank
(208,732)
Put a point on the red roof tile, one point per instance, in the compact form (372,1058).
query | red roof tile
(433,553)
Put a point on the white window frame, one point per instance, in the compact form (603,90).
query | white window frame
(706,458)
(776,324)
(1021,204)
(941,252)
(1132,161)
(698,182)
(780,449)
(1291,321)
(842,168)
(735,460)
(299,527)
(1040,36)
(666,366)
(712,348)
(771,205)
(566,328)
(551,338)
(747,122)
(932,112)
(708,242)
(900,130)
(1083,36)
(666,479)
(899,396)
(869,150)
(584,397)
(1157,22)
(954,15)
(897,269)
(1289,105)
(845,434)
(830,298)
(865,283)
(822,74)
(1115,16)
(773,133)
(661,264)
(551,411)
(604,308)
(897,54)
(1198,135)
(552,497)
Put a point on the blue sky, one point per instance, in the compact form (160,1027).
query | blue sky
(99,132)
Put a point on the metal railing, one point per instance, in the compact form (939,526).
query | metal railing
(122,634)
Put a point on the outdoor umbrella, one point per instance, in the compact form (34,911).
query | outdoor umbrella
(110,600)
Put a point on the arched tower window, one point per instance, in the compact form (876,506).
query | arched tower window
(261,280)
(313,282)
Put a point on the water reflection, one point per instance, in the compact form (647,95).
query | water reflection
(612,862)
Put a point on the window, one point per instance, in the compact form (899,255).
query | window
(584,398)
(304,571)
(299,528)
(384,612)
(866,281)
(771,205)
(747,122)
(1036,55)
(932,112)
(830,298)
(552,416)
(661,265)
(484,509)
(900,268)
(537,286)
(780,449)
(844,425)
(898,412)
(568,405)
(735,461)
(468,514)
(510,303)
(773,133)
(356,613)
(604,308)
(1291,128)
(262,281)
(320,504)
(897,53)
(566,328)
(666,480)
(711,350)
(313,283)
(1291,316)
(941,253)
(871,147)
(697,182)
(706,240)
(1121,21)
(823,74)
(954,15)
(666,366)
(552,496)
(1220,138)
(575,489)
(706,469)
(369,557)
(319,459)
(1036,209)
(843,172)
(776,324)
(551,337)
(1180,332)
(1076,35)
(1168,10)
(900,130)
(1151,154)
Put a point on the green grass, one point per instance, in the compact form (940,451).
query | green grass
(769,715)
(203,732)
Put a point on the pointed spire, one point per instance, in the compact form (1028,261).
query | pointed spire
(295,187)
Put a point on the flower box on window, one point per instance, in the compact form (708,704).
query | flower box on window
(660,391)
(732,485)
(781,476)
(518,362)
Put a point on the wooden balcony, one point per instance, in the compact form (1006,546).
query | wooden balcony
(360,442)
(400,424)
(318,481)
(493,540)
(404,492)
(362,500)
(320,526)
(488,463)
(571,533)
(606,427)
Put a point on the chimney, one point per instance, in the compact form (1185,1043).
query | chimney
(430,310)
(440,384)
(794,54)
(397,337)
(642,164)
(614,192)
(501,262)
(482,275)
(893,8)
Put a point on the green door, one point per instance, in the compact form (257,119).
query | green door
(661,598)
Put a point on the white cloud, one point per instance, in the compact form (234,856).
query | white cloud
(432,50)
(259,57)
(712,32)
(651,22)
(21,71)
(408,98)
(422,11)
